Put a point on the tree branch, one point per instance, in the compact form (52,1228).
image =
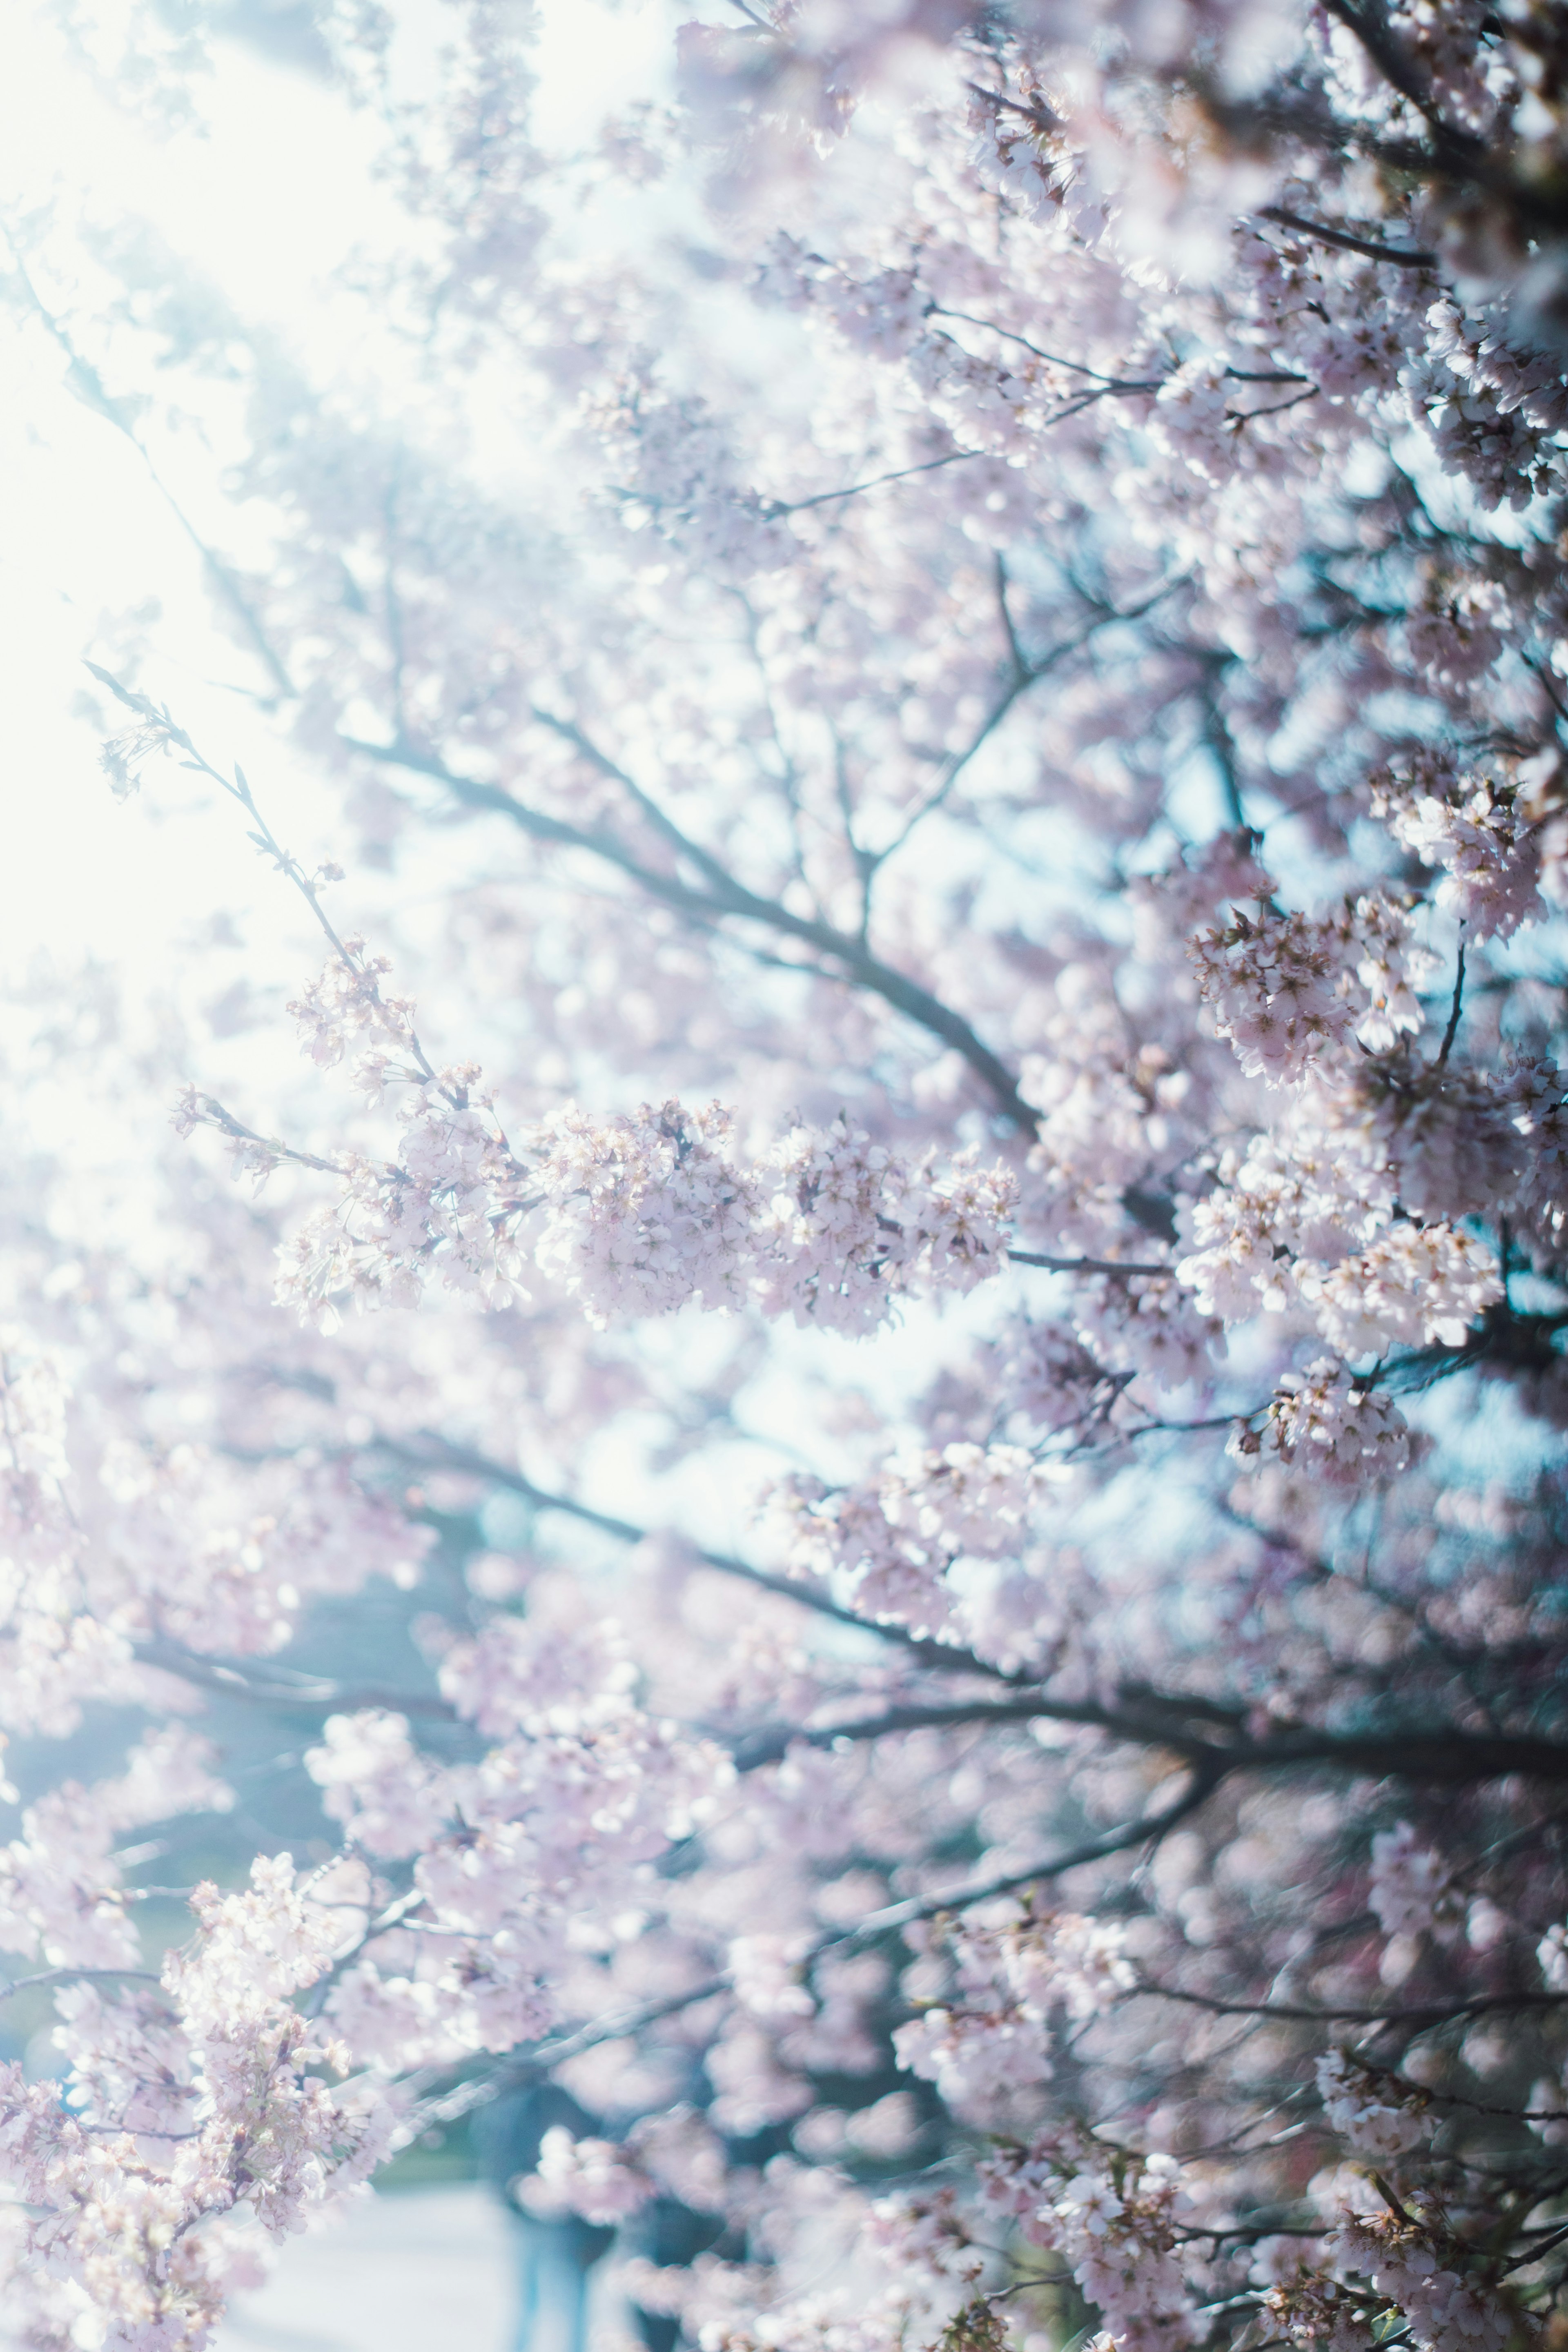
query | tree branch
(87,386)
(1452,1031)
(434,1452)
(546,2054)
(725,898)
(1434,2013)
(313,1692)
(1155,1719)
(1408,256)
(1125,1269)
(1019,683)
(1150,1828)
(78,1975)
(831,498)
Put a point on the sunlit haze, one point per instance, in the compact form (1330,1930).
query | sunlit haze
(272,192)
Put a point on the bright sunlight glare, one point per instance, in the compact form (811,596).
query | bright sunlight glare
(274,194)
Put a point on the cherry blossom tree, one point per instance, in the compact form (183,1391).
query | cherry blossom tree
(886,1400)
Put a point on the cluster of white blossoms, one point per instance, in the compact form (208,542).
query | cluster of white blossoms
(148,2182)
(676,474)
(1476,830)
(1412,1889)
(849,1225)
(1345,1215)
(1042,1962)
(1409,2267)
(1284,987)
(676,2154)
(1323,1423)
(649,1212)
(61,1888)
(890,1546)
(444,1210)
(345,1004)
(1347,1208)
(1114,2216)
(765,1973)
(1017,1969)
(36,1397)
(639,1213)
(1414,1285)
(1551,1953)
(589,2177)
(511,1854)
(1373,2115)
(1315,1231)
(1066,1960)
(1449,1142)
(1494,413)
(113,1537)
(974,2060)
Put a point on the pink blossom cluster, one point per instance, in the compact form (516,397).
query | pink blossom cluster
(1323,1423)
(644,1214)
(145,2204)
(1113,2218)
(1284,987)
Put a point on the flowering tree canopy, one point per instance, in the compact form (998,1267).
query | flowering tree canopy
(883,1412)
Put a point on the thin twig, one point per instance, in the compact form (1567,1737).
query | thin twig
(78,1975)
(87,384)
(1452,1030)
(903,474)
(237,788)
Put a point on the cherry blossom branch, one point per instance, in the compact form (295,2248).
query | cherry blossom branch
(1031,673)
(1052,359)
(886,1921)
(1454,158)
(1433,2013)
(78,1975)
(1145,1717)
(730,898)
(1407,257)
(1452,1031)
(1544,2243)
(769,1746)
(774,507)
(1124,1269)
(197,1108)
(1157,1720)
(1446,1756)
(436,1452)
(1016,654)
(1503,1334)
(313,1692)
(1391,60)
(727,899)
(1148,1829)
(159,729)
(1218,738)
(89,386)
